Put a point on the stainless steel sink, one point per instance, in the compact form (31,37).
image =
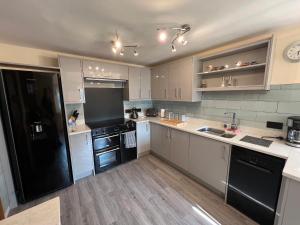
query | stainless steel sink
(216,132)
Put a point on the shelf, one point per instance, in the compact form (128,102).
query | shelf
(235,69)
(233,88)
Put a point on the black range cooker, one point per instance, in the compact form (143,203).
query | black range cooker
(109,143)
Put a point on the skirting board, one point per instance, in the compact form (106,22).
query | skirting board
(141,154)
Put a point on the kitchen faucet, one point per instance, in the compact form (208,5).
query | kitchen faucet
(233,124)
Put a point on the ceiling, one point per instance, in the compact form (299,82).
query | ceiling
(86,27)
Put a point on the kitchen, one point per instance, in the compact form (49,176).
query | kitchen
(164,123)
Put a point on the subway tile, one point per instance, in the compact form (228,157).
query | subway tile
(213,112)
(289,107)
(259,106)
(275,87)
(290,86)
(281,95)
(249,123)
(246,115)
(235,96)
(213,95)
(274,117)
(221,104)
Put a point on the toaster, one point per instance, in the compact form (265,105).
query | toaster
(151,112)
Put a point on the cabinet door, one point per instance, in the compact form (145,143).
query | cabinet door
(81,155)
(185,70)
(159,82)
(115,71)
(165,148)
(145,83)
(163,81)
(180,148)
(92,69)
(143,137)
(208,160)
(72,80)
(134,83)
(155,138)
(290,214)
(155,85)
(173,82)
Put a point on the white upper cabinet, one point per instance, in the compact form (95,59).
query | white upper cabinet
(145,83)
(181,79)
(139,84)
(134,83)
(104,70)
(175,81)
(72,79)
(159,82)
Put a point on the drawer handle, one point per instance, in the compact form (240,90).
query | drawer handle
(112,150)
(100,137)
(249,164)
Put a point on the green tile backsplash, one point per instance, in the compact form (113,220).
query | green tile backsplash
(253,108)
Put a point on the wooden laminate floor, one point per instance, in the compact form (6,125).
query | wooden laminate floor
(144,191)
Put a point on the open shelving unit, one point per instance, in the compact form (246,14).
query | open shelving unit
(249,77)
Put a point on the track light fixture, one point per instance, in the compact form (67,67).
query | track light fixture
(118,47)
(179,35)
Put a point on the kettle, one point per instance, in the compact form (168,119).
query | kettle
(134,113)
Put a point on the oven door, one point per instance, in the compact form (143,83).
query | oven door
(106,141)
(107,159)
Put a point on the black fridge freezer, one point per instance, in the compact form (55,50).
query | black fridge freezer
(33,116)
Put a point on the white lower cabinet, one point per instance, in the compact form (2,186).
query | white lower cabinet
(81,150)
(180,148)
(204,158)
(160,140)
(209,161)
(143,137)
(171,144)
(287,212)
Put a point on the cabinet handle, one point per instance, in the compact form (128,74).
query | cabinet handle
(86,139)
(149,94)
(175,90)
(179,93)
(224,153)
(140,93)
(165,92)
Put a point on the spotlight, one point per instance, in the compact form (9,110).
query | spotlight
(162,36)
(180,39)
(114,49)
(173,48)
(122,52)
(184,42)
(135,53)
(118,44)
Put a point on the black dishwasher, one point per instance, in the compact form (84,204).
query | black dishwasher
(254,184)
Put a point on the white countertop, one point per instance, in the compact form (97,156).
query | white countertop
(277,148)
(47,213)
(79,129)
